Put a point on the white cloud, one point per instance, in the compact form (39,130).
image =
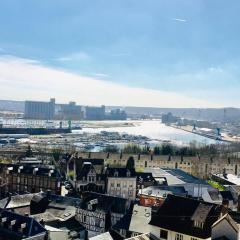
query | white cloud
(179,19)
(22,79)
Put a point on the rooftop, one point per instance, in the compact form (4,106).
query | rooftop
(179,213)
(141,216)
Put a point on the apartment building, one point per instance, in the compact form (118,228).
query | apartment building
(24,178)
(121,182)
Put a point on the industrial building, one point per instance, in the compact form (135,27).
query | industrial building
(39,110)
(95,113)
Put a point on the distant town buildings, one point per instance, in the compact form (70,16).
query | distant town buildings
(95,113)
(71,111)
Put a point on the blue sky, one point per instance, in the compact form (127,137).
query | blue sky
(185,47)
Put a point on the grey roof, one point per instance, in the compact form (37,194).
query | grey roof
(185,177)
(142,237)
(31,227)
(160,174)
(46,217)
(177,213)
(105,203)
(18,200)
(141,216)
(163,191)
(201,212)
(103,236)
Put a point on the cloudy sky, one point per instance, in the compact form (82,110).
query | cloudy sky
(167,53)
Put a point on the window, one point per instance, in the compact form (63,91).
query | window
(179,236)
(198,224)
(163,234)
(118,185)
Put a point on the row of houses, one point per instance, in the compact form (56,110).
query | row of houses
(23,178)
(200,166)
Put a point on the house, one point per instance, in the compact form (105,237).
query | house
(226,228)
(14,226)
(121,182)
(75,163)
(27,178)
(99,212)
(89,180)
(56,213)
(181,218)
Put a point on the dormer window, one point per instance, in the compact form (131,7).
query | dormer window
(128,173)
(116,173)
(198,224)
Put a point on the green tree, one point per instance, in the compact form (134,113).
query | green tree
(29,152)
(56,153)
(130,163)
(157,150)
(132,149)
(167,149)
(111,149)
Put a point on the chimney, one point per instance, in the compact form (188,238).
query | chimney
(225,206)
(238,205)
(35,171)
(19,169)
(12,223)
(48,194)
(23,226)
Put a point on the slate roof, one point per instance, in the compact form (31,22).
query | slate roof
(185,177)
(145,177)
(176,215)
(86,168)
(227,195)
(106,203)
(28,169)
(33,228)
(122,172)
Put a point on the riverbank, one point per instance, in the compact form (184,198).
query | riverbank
(222,138)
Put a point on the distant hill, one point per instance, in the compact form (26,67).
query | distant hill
(208,114)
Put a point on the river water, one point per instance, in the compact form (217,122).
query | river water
(154,130)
